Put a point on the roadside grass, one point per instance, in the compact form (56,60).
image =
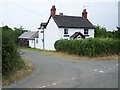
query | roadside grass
(70,56)
(17,75)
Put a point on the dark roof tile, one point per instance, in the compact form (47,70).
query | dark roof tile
(63,21)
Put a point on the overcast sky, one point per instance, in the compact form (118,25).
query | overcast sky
(30,13)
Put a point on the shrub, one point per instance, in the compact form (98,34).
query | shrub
(11,59)
(89,47)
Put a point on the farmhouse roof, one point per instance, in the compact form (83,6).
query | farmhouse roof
(64,21)
(29,35)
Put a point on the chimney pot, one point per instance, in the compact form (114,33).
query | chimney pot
(53,11)
(84,13)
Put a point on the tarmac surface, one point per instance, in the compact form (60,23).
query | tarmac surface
(54,72)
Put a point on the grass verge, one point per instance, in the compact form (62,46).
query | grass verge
(69,56)
(17,75)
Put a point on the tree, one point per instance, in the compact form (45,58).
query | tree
(11,59)
(110,34)
(18,32)
(118,32)
(100,31)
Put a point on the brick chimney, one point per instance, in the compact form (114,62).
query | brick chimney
(53,11)
(84,13)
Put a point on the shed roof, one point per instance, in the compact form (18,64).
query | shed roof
(29,35)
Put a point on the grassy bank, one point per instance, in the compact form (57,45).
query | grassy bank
(18,74)
(69,56)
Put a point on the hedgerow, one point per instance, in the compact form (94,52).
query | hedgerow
(11,60)
(89,47)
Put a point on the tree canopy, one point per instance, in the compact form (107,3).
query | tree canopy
(101,32)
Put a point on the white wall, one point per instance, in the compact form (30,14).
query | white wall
(51,35)
(71,31)
(32,43)
(37,45)
(91,33)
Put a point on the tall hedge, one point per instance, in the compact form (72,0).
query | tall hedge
(89,47)
(11,59)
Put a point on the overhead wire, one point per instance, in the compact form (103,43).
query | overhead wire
(26,9)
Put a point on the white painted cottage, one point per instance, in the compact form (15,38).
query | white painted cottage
(64,27)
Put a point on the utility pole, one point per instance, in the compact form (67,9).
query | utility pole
(42,27)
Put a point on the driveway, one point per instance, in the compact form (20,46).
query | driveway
(54,72)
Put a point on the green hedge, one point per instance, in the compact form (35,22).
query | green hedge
(89,47)
(11,60)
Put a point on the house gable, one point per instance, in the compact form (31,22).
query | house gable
(51,34)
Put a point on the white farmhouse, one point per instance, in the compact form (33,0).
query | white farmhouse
(64,27)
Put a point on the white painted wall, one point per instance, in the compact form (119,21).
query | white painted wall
(51,35)
(71,31)
(37,45)
(32,43)
(91,33)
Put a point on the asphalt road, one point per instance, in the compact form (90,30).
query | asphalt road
(54,72)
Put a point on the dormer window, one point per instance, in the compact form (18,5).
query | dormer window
(85,31)
(65,30)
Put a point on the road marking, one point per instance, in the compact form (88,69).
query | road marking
(101,71)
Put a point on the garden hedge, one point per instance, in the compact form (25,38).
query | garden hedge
(89,47)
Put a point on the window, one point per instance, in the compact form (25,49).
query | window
(66,31)
(85,31)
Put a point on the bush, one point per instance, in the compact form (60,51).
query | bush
(89,47)
(11,59)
